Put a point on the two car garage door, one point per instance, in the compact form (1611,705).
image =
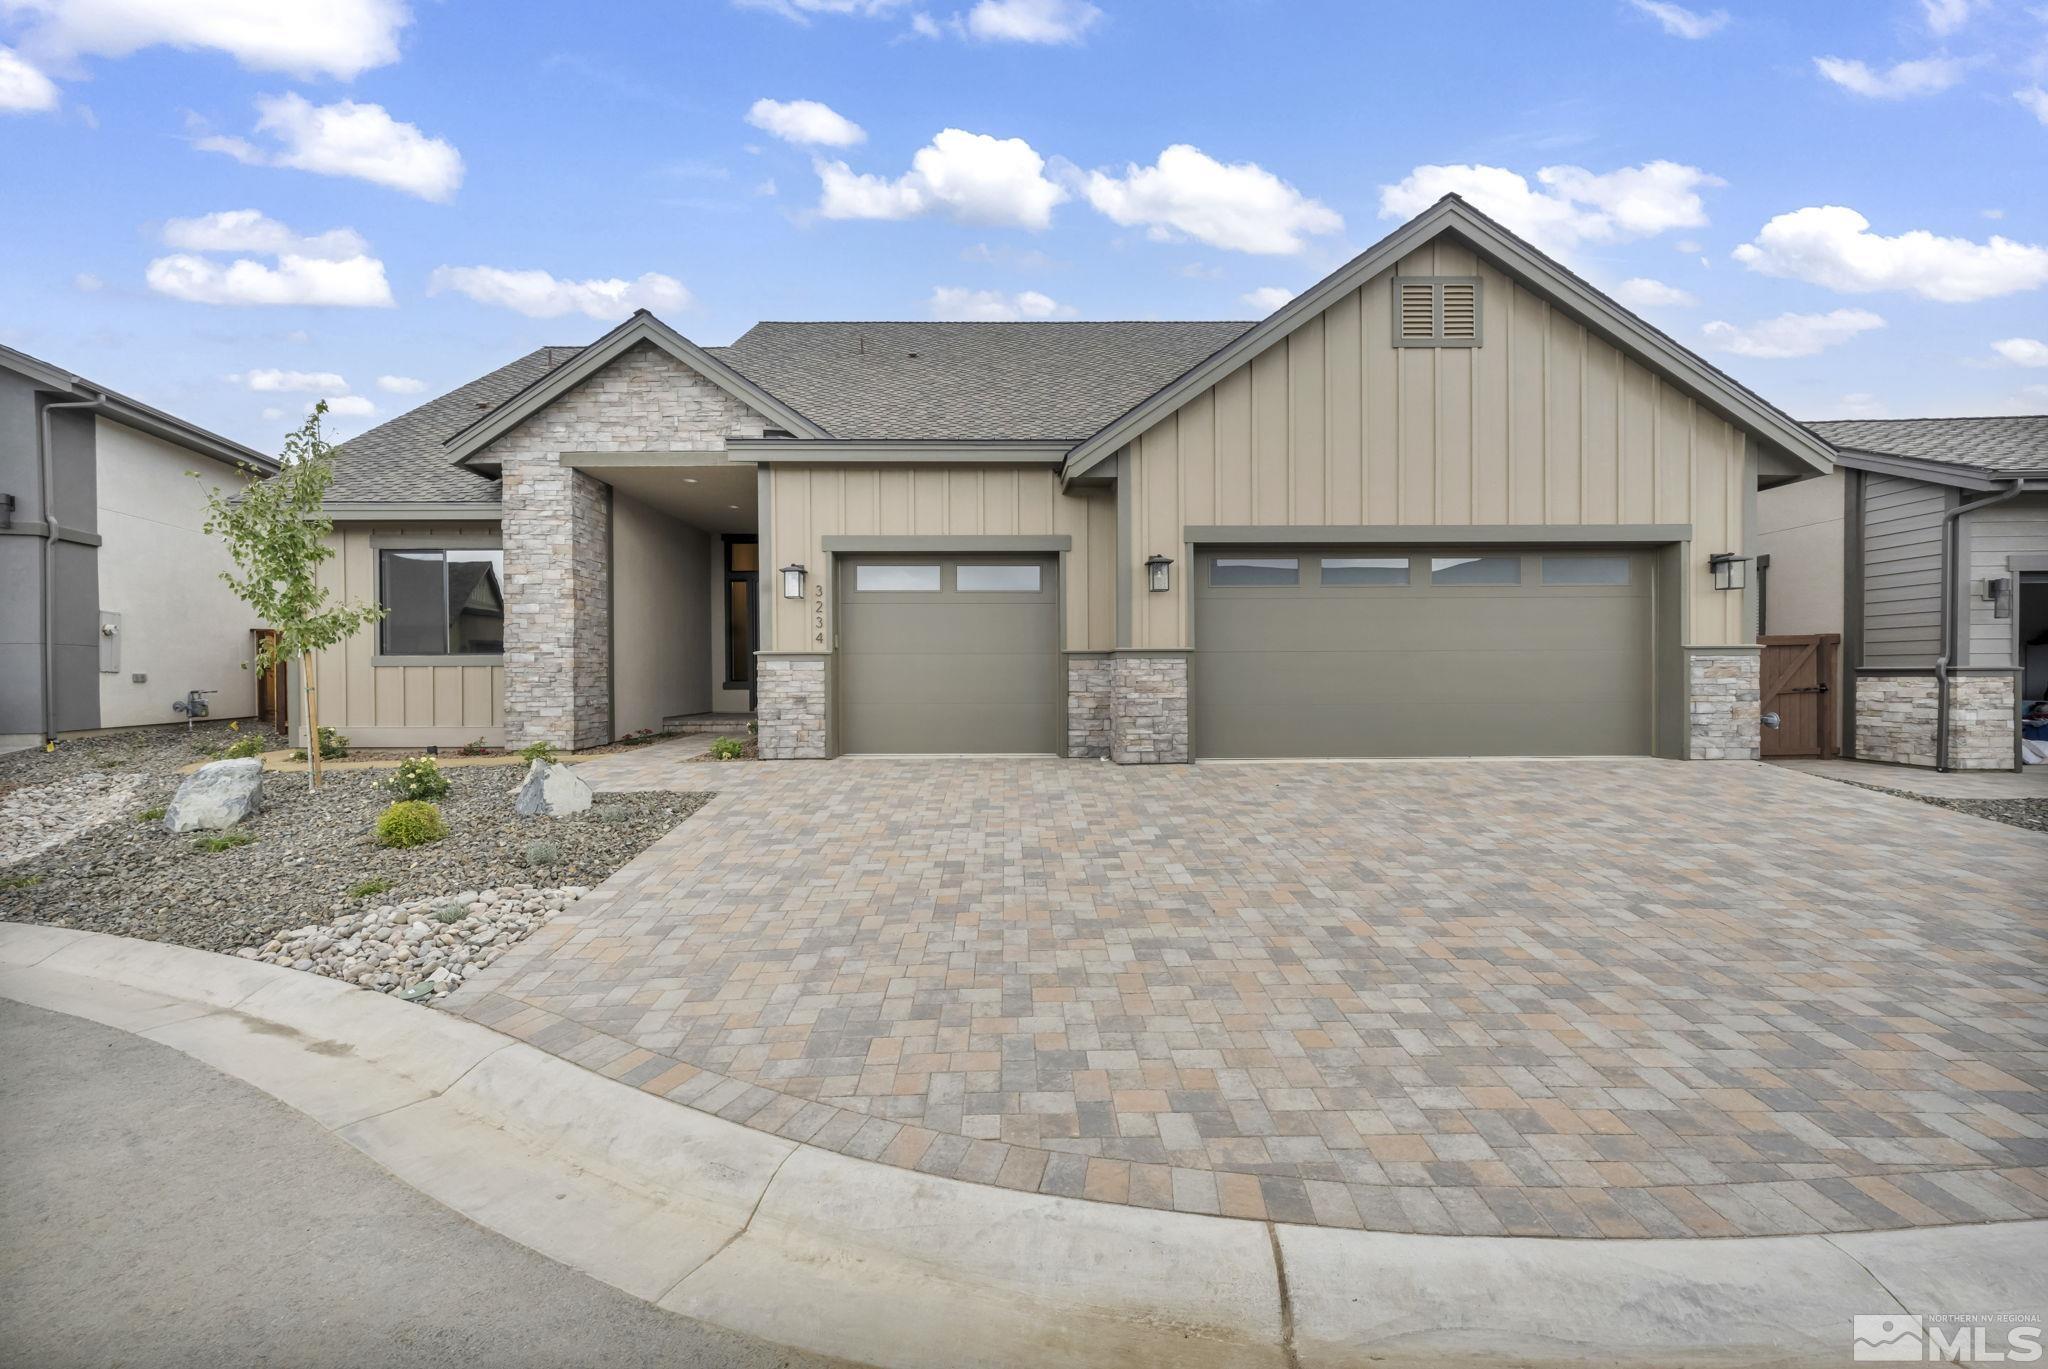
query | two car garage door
(1452,652)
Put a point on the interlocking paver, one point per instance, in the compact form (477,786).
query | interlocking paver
(1602,998)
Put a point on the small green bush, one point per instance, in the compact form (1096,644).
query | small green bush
(537,751)
(240,750)
(410,822)
(728,749)
(543,853)
(369,887)
(475,748)
(222,841)
(450,913)
(753,729)
(640,738)
(20,881)
(418,777)
(611,812)
(155,814)
(333,746)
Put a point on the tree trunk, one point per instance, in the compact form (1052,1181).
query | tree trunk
(312,721)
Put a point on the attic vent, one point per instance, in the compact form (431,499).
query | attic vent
(1436,311)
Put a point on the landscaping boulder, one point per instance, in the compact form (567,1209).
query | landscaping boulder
(216,797)
(551,790)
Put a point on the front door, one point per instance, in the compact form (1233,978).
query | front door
(742,611)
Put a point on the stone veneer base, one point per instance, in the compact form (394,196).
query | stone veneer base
(1148,709)
(1091,682)
(1896,715)
(790,694)
(1723,693)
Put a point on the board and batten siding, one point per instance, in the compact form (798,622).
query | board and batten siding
(1902,571)
(2018,527)
(1544,423)
(807,504)
(423,705)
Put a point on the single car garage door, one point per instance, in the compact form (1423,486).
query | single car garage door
(942,655)
(1454,652)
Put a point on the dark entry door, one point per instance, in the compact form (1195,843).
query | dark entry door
(742,611)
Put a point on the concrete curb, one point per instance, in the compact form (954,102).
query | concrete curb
(881,1265)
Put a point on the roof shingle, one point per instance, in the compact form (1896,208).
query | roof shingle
(2005,446)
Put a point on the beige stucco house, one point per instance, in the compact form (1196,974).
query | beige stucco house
(1452,500)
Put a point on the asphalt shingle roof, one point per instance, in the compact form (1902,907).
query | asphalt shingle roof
(969,381)
(403,460)
(2007,446)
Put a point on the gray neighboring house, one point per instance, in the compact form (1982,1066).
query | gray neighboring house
(1927,550)
(114,608)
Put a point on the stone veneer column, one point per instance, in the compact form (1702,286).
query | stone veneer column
(1981,714)
(556,533)
(1897,717)
(1148,714)
(789,706)
(1090,686)
(1724,692)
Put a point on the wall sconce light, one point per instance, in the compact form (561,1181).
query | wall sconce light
(1728,570)
(1999,591)
(1159,574)
(792,581)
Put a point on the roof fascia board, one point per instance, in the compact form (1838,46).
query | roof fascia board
(642,327)
(399,511)
(1521,261)
(1932,472)
(133,413)
(904,451)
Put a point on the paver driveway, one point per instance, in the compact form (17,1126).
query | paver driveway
(1599,998)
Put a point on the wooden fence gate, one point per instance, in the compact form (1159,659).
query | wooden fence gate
(1799,686)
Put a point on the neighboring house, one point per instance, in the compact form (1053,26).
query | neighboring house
(1450,501)
(1927,550)
(114,609)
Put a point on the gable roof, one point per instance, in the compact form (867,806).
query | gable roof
(1451,214)
(970,382)
(404,460)
(133,413)
(2006,446)
(642,327)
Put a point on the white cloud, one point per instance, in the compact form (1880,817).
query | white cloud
(924,26)
(1861,404)
(1640,292)
(23,89)
(1578,205)
(347,406)
(1946,16)
(400,385)
(272,414)
(800,11)
(1927,76)
(1680,22)
(1833,246)
(348,139)
(290,382)
(972,177)
(805,121)
(2022,351)
(537,294)
(1031,21)
(88,283)
(1267,298)
(339,38)
(333,268)
(1187,193)
(956,304)
(2034,99)
(1791,335)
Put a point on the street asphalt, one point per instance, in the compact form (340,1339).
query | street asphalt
(154,1212)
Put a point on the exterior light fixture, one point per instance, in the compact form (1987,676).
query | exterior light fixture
(1999,592)
(1728,570)
(1159,574)
(792,581)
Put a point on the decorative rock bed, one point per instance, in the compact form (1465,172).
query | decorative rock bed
(419,949)
(36,817)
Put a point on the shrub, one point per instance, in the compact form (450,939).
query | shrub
(753,729)
(728,749)
(537,751)
(20,881)
(611,812)
(475,748)
(543,853)
(333,746)
(410,822)
(640,738)
(240,750)
(418,777)
(369,887)
(222,841)
(450,913)
(155,814)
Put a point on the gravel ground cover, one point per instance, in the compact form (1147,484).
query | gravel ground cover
(2031,814)
(308,854)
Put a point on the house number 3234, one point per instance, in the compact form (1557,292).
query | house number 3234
(818,613)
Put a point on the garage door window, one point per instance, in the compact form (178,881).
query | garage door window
(1255,570)
(996,579)
(896,579)
(1475,570)
(1585,570)
(1365,570)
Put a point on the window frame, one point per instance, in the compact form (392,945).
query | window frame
(380,658)
(1216,560)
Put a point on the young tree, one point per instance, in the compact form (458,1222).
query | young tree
(276,531)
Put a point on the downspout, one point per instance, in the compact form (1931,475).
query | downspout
(1950,587)
(47,473)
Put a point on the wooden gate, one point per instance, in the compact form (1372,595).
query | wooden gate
(273,699)
(1799,686)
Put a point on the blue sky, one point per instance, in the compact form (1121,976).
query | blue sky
(230,209)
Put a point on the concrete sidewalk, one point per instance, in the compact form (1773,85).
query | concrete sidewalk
(160,1213)
(878,1265)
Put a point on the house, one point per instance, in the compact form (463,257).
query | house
(114,611)
(1452,500)
(1927,550)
